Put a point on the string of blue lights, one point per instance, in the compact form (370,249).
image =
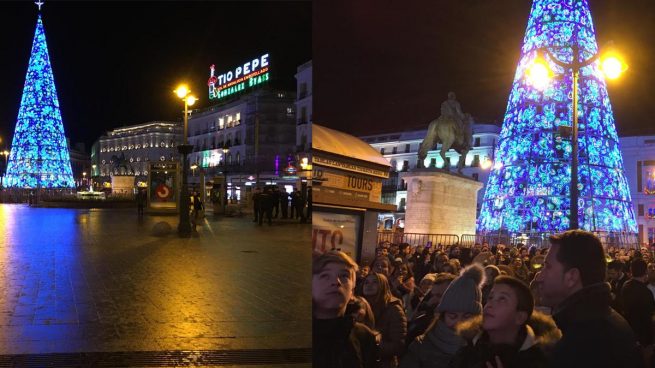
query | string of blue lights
(528,187)
(39,156)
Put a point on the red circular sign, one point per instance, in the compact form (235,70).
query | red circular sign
(163,192)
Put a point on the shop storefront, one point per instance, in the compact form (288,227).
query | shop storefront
(347,191)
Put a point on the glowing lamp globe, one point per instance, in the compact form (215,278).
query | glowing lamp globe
(191,100)
(612,67)
(539,73)
(182,91)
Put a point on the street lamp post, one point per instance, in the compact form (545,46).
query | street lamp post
(93,171)
(225,150)
(6,154)
(612,67)
(184,227)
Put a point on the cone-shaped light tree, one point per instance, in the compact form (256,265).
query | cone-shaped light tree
(39,156)
(528,190)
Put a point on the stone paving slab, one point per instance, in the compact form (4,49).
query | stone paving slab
(98,280)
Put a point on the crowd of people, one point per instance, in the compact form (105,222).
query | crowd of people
(272,203)
(573,304)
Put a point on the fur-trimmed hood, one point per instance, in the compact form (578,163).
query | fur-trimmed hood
(541,329)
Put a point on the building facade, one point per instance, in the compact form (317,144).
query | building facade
(639,163)
(401,149)
(247,138)
(80,164)
(304,107)
(128,150)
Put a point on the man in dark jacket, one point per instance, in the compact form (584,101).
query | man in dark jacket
(257,203)
(638,304)
(276,201)
(284,203)
(266,206)
(616,278)
(572,282)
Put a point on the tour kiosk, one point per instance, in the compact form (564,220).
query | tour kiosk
(347,193)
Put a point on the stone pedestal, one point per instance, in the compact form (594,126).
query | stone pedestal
(439,202)
(122,184)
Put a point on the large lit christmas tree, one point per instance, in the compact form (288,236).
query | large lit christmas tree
(39,155)
(528,188)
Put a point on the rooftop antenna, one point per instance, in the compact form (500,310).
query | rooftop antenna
(39,3)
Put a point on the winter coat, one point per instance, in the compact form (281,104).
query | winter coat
(638,308)
(343,343)
(539,334)
(392,324)
(432,350)
(594,334)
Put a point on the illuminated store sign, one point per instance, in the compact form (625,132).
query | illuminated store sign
(247,75)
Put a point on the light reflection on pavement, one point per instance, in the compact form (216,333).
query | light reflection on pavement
(98,280)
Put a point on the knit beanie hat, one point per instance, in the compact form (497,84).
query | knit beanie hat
(463,294)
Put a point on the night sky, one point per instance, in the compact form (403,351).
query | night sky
(117,63)
(385,66)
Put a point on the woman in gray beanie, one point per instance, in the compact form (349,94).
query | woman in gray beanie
(461,301)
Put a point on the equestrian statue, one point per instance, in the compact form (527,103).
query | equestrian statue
(453,129)
(121,162)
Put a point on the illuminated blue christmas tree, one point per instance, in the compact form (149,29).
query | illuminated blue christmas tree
(528,187)
(39,155)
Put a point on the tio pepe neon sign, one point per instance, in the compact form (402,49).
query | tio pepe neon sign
(247,75)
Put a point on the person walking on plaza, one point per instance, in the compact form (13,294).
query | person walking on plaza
(275,194)
(140,201)
(266,206)
(390,318)
(572,282)
(256,203)
(300,206)
(461,301)
(294,204)
(639,306)
(337,339)
(198,210)
(284,203)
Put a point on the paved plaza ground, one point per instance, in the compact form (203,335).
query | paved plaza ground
(99,281)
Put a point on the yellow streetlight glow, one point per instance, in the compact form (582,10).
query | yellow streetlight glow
(182,90)
(190,100)
(485,164)
(612,66)
(539,73)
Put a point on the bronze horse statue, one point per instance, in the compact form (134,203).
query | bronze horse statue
(121,162)
(447,131)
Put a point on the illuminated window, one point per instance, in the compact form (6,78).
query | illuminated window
(238,118)
(221,123)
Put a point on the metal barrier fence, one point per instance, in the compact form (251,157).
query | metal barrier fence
(418,239)
(621,240)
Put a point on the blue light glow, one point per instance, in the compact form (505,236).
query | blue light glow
(39,155)
(528,187)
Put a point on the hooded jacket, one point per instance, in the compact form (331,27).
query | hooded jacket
(539,336)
